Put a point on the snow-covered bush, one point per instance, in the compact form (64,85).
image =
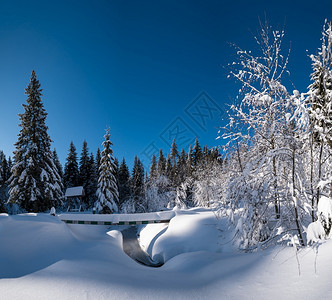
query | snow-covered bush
(321,229)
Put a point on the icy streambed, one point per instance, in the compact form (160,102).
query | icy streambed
(133,249)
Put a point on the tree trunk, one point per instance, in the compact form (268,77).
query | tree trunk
(311,179)
(320,168)
(276,206)
(297,221)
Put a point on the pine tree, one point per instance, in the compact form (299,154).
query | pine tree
(320,103)
(35,183)
(107,192)
(10,165)
(58,164)
(161,163)
(153,167)
(91,184)
(181,168)
(84,170)
(84,165)
(3,168)
(116,170)
(189,163)
(71,174)
(174,153)
(138,185)
(168,168)
(124,182)
(174,156)
(98,158)
(197,154)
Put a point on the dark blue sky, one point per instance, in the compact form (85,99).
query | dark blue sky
(147,69)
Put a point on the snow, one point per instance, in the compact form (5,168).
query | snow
(315,230)
(325,207)
(115,218)
(43,258)
(74,191)
(182,235)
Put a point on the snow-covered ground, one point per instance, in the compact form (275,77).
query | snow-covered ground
(43,258)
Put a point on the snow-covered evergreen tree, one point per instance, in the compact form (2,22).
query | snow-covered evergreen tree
(91,186)
(98,158)
(168,167)
(84,165)
(71,174)
(3,169)
(153,167)
(197,154)
(320,110)
(35,183)
(161,166)
(189,163)
(174,153)
(181,168)
(58,164)
(107,192)
(138,188)
(124,182)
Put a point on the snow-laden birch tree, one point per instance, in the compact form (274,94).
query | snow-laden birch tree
(258,132)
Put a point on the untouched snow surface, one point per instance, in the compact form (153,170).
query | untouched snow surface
(43,258)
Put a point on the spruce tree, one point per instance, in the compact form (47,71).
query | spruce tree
(35,183)
(91,184)
(197,154)
(189,163)
(153,167)
(320,104)
(124,182)
(98,158)
(71,174)
(2,181)
(116,170)
(161,163)
(84,170)
(3,169)
(58,164)
(138,185)
(181,168)
(174,153)
(84,164)
(107,192)
(168,168)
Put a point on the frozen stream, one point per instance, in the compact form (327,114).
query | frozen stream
(133,249)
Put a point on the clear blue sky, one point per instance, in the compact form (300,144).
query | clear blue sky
(139,67)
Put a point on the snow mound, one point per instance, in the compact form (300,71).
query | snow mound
(116,218)
(30,242)
(117,236)
(316,230)
(189,231)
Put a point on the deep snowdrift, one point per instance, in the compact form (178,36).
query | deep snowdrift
(43,258)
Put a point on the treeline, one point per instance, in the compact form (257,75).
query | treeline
(177,178)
